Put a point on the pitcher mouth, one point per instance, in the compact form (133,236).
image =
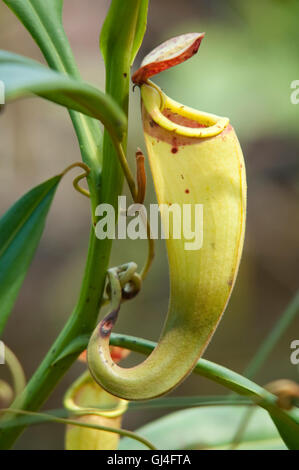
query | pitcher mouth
(115,406)
(183,121)
(177,118)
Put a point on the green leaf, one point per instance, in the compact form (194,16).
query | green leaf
(208,428)
(140,29)
(186,402)
(113,31)
(23,77)
(21,228)
(290,436)
(44,22)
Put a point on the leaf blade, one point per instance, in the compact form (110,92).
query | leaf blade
(43,20)
(23,77)
(207,428)
(140,29)
(111,34)
(21,228)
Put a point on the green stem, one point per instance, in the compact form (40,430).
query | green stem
(84,316)
(221,375)
(81,322)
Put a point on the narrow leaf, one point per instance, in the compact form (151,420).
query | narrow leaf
(21,228)
(188,402)
(43,20)
(140,29)
(208,428)
(290,436)
(114,31)
(23,77)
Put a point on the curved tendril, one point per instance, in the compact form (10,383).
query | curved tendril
(79,188)
(16,371)
(80,177)
(8,393)
(126,282)
(123,283)
(55,419)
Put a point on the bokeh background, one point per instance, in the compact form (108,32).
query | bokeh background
(244,70)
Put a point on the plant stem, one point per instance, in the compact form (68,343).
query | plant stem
(221,375)
(46,417)
(83,319)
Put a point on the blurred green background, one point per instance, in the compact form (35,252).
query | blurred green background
(244,70)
